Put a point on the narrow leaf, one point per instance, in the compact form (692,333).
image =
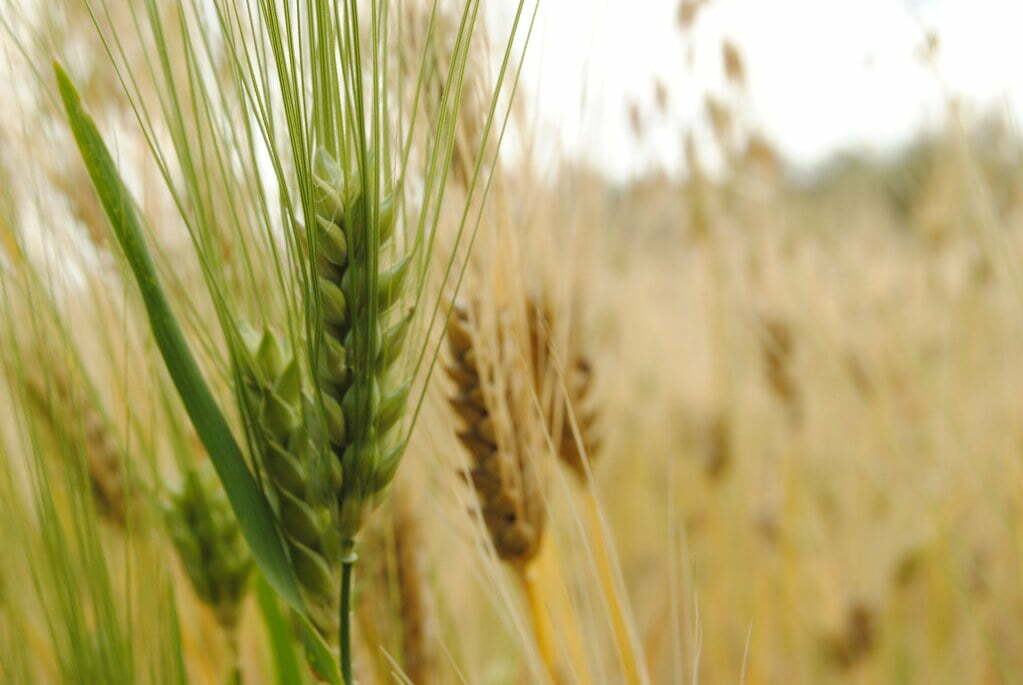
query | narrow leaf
(282,644)
(250,505)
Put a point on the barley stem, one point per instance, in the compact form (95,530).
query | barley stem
(551,567)
(235,677)
(540,620)
(623,638)
(346,634)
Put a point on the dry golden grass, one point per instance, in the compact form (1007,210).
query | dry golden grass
(720,428)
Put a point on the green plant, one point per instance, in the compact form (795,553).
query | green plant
(209,543)
(332,225)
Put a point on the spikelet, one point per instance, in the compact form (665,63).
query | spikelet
(504,478)
(209,543)
(575,403)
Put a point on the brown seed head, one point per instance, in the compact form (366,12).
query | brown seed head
(735,68)
(856,640)
(572,409)
(721,120)
(506,484)
(661,97)
(719,447)
(777,347)
(636,123)
(761,156)
(688,11)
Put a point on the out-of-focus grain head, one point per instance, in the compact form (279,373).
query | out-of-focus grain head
(563,380)
(63,405)
(908,568)
(719,450)
(855,641)
(502,469)
(637,122)
(761,157)
(777,352)
(928,51)
(661,97)
(722,121)
(209,542)
(733,63)
(689,12)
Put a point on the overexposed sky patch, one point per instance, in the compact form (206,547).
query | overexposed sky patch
(823,75)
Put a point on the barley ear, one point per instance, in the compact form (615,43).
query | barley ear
(506,484)
(362,337)
(209,543)
(564,383)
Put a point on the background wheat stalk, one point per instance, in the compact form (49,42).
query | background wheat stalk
(504,475)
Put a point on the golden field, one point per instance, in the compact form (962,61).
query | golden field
(792,398)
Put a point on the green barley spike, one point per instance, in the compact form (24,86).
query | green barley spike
(273,384)
(328,449)
(362,400)
(209,543)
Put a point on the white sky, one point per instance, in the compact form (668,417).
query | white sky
(823,74)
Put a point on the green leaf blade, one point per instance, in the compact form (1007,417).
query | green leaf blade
(254,514)
(282,646)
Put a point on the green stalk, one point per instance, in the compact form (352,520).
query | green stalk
(254,512)
(347,564)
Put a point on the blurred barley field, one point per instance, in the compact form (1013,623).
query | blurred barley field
(740,423)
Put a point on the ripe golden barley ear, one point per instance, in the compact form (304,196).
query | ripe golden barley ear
(636,123)
(855,641)
(503,474)
(506,484)
(778,350)
(574,408)
(908,568)
(661,97)
(688,11)
(719,448)
(722,120)
(209,543)
(761,156)
(861,375)
(734,66)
